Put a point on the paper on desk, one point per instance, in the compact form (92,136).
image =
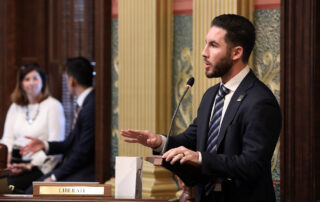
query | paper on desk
(128,177)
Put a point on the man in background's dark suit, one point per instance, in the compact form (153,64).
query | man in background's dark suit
(226,152)
(78,147)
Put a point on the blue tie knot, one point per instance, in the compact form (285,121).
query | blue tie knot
(223,91)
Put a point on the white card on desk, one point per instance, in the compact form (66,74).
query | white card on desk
(128,177)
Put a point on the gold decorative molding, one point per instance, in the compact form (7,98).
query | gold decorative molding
(246,8)
(164,46)
(145,43)
(145,51)
(157,182)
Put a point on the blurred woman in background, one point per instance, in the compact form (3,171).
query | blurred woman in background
(33,113)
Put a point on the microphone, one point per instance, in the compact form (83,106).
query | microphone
(188,86)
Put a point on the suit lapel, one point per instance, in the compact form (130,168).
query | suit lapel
(235,102)
(73,133)
(205,117)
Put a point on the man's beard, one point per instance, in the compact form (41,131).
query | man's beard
(222,67)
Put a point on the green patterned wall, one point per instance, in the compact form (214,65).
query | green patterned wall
(266,65)
(182,65)
(115,86)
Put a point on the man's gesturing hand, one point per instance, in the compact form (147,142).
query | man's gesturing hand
(143,137)
(32,147)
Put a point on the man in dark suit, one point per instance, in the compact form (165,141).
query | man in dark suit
(78,147)
(226,152)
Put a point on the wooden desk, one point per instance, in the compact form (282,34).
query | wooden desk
(30,198)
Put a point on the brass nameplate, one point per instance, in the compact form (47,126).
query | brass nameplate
(71,189)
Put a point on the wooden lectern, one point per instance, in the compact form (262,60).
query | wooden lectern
(185,172)
(3,156)
(4,173)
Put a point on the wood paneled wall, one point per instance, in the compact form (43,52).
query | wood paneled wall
(48,32)
(102,55)
(300,98)
(31,27)
(8,43)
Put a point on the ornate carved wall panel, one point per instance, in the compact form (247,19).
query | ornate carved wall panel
(300,84)
(182,70)
(266,65)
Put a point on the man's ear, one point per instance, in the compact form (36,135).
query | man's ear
(237,52)
(73,81)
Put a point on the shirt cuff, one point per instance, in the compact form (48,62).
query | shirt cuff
(159,148)
(200,158)
(46,146)
(38,158)
(53,177)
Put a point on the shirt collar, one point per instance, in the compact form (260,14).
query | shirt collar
(235,81)
(83,96)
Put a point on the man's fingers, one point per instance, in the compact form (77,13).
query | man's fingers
(176,158)
(30,138)
(24,149)
(173,152)
(143,137)
(130,134)
(184,158)
(27,150)
(170,155)
(173,155)
(135,133)
(131,140)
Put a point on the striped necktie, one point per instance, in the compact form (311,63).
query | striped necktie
(75,116)
(214,125)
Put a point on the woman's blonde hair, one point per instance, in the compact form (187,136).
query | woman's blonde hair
(19,96)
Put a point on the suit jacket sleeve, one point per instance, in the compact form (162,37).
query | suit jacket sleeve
(78,148)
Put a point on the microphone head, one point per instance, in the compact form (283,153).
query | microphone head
(190,82)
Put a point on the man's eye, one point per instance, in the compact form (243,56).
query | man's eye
(213,44)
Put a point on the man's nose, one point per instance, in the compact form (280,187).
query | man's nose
(204,52)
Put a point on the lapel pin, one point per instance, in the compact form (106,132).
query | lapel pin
(240,98)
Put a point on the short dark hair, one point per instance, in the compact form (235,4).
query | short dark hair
(18,96)
(240,32)
(81,69)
